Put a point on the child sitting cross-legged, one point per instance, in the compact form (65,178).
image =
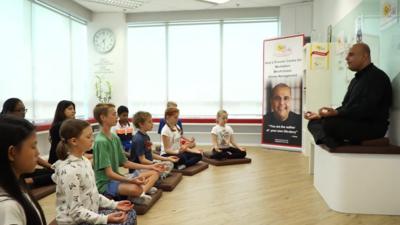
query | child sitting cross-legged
(224,145)
(78,200)
(172,144)
(108,155)
(141,148)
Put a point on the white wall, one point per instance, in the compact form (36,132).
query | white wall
(328,12)
(113,64)
(296,19)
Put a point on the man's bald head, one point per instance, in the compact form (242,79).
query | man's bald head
(359,57)
(363,47)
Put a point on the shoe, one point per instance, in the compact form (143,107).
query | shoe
(208,154)
(152,191)
(163,176)
(142,200)
(181,167)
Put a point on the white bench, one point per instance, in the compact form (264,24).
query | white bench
(358,182)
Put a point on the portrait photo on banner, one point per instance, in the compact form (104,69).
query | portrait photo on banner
(282,111)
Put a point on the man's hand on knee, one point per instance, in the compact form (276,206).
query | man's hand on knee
(327,112)
(311,116)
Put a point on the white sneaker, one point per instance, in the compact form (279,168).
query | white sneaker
(181,167)
(152,191)
(142,200)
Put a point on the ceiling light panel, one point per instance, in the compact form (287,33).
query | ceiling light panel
(126,4)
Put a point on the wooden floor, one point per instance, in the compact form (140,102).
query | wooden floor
(275,189)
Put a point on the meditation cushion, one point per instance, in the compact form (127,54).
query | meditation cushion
(375,146)
(41,192)
(225,162)
(169,183)
(192,170)
(376,142)
(142,209)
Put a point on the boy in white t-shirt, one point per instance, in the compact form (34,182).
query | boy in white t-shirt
(224,145)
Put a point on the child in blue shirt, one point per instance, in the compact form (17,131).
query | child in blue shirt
(141,147)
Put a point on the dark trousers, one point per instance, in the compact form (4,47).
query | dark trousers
(186,158)
(228,153)
(41,177)
(344,130)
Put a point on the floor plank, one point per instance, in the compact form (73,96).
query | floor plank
(275,189)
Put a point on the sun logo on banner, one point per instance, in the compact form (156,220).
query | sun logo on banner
(282,50)
(387,10)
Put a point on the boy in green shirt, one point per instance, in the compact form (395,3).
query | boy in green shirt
(108,156)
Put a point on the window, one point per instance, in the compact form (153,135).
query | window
(16,79)
(146,69)
(194,67)
(44,60)
(80,78)
(201,66)
(51,58)
(243,67)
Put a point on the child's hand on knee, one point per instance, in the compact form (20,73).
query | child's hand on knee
(124,205)
(173,158)
(116,217)
(137,180)
(217,149)
(157,167)
(160,167)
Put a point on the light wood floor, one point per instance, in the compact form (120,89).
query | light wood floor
(275,189)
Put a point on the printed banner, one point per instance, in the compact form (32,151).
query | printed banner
(319,56)
(282,103)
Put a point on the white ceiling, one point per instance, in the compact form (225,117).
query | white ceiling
(183,5)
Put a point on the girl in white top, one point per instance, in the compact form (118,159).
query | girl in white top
(78,200)
(18,155)
(224,145)
(172,143)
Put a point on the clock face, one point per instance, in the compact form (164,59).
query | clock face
(104,40)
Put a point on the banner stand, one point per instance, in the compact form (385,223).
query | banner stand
(282,93)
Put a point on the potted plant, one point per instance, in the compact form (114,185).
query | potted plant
(103,89)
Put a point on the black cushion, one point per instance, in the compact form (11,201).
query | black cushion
(225,162)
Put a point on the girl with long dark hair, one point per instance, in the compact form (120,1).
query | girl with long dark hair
(18,155)
(65,110)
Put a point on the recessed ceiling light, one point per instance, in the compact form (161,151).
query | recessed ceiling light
(127,4)
(215,1)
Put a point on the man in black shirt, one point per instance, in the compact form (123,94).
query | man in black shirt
(282,125)
(364,112)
